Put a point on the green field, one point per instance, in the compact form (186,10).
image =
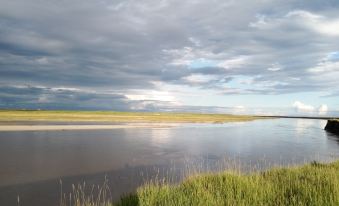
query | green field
(111,116)
(312,184)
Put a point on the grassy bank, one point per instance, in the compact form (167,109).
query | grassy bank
(110,116)
(313,184)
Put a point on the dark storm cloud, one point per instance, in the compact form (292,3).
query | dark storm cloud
(29,97)
(281,46)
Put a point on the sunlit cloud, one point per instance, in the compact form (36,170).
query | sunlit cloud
(323,109)
(301,107)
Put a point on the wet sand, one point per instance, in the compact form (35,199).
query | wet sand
(81,127)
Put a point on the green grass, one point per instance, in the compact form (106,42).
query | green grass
(312,184)
(111,116)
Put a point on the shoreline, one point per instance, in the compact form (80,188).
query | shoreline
(313,183)
(111,116)
(297,117)
(8,128)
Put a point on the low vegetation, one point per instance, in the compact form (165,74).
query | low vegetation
(111,116)
(313,184)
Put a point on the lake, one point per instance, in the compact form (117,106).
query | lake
(32,163)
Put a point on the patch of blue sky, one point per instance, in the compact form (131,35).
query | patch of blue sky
(241,82)
(202,62)
(333,56)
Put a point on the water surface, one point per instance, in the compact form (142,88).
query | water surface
(32,163)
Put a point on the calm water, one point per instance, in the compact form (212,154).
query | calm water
(31,163)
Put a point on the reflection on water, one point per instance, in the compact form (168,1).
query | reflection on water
(32,162)
(305,125)
(160,136)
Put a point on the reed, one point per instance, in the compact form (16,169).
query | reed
(82,195)
(311,184)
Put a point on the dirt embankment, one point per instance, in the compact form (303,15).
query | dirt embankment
(332,126)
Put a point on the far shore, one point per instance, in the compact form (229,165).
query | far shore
(82,127)
(299,117)
(24,120)
(120,117)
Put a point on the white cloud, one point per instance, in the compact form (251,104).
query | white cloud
(325,73)
(182,56)
(301,19)
(261,21)
(301,107)
(55,89)
(323,109)
(305,15)
(235,62)
(195,41)
(325,67)
(187,56)
(275,67)
(199,78)
(316,22)
(42,60)
(239,109)
(152,95)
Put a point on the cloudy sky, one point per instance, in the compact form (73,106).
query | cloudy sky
(263,56)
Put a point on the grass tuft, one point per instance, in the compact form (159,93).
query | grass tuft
(312,184)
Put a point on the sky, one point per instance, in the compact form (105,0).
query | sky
(223,56)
